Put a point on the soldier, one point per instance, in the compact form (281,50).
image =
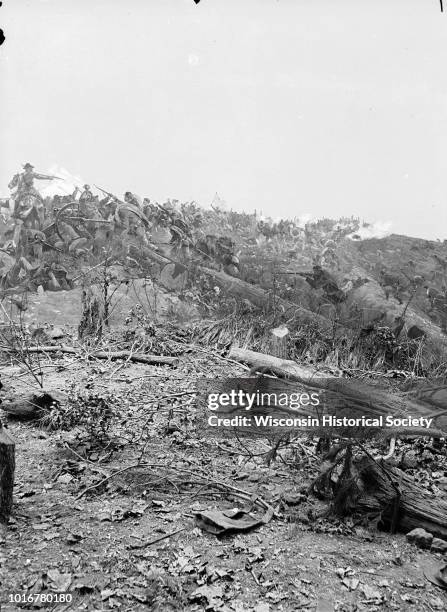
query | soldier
(134,200)
(86,195)
(22,185)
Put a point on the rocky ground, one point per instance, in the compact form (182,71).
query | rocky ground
(114,523)
(112,484)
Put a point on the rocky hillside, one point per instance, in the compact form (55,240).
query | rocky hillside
(334,273)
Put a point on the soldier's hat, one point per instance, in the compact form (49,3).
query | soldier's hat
(28,165)
(86,186)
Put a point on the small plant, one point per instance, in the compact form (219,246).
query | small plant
(16,341)
(92,411)
(164,592)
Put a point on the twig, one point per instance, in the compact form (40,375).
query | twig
(255,579)
(90,269)
(199,348)
(163,537)
(98,484)
(137,357)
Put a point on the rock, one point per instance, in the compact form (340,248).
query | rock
(56,333)
(293,499)
(174,277)
(39,335)
(439,546)
(415,333)
(409,460)
(420,537)
(65,478)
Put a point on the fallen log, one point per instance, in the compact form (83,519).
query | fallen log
(263,299)
(31,405)
(381,490)
(254,294)
(7,467)
(283,367)
(370,298)
(350,396)
(136,357)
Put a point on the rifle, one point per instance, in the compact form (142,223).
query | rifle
(126,205)
(110,194)
(50,177)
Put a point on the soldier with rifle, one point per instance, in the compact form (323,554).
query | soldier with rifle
(27,200)
(133,199)
(126,205)
(86,195)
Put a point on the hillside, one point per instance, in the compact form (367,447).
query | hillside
(392,285)
(115,312)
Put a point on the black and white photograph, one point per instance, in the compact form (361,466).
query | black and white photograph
(223,306)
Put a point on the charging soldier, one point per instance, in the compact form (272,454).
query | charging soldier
(24,191)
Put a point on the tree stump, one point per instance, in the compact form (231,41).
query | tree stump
(279,342)
(93,316)
(377,489)
(7,467)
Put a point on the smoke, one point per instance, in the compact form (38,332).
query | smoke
(379,229)
(303,219)
(66,186)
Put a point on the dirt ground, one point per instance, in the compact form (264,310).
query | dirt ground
(115,526)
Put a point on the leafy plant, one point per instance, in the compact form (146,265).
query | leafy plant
(92,411)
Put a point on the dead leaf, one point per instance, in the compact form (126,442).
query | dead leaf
(370,592)
(212,594)
(351,583)
(106,593)
(59,582)
(408,597)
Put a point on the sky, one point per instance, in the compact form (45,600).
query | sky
(289,107)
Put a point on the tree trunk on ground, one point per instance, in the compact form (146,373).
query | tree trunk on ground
(370,298)
(31,405)
(390,492)
(264,299)
(255,295)
(7,467)
(351,397)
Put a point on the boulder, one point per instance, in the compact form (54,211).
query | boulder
(439,546)
(56,333)
(174,277)
(420,537)
(415,333)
